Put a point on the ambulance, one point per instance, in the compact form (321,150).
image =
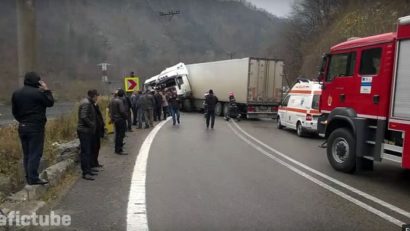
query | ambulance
(300,108)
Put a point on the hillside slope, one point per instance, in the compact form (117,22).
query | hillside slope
(75,35)
(351,19)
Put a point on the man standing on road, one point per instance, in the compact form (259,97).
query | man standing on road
(127,106)
(134,100)
(158,106)
(164,104)
(100,130)
(211,100)
(174,106)
(86,130)
(119,116)
(29,108)
(140,107)
(148,104)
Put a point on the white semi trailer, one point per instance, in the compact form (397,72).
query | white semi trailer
(255,82)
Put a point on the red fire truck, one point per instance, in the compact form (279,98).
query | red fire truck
(365,101)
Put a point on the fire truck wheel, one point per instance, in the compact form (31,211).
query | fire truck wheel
(279,123)
(341,150)
(299,130)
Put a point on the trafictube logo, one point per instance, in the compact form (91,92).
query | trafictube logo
(16,219)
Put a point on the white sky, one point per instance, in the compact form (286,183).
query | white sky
(280,8)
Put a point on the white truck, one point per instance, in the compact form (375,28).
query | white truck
(255,82)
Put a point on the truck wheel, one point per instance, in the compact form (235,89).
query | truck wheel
(218,109)
(279,123)
(187,105)
(341,150)
(226,110)
(299,130)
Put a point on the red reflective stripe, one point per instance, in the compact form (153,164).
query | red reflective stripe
(301,91)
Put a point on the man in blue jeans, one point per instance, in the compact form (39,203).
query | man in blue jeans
(29,105)
(173,104)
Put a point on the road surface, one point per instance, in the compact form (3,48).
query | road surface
(239,176)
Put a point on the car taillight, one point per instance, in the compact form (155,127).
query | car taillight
(251,109)
(309,117)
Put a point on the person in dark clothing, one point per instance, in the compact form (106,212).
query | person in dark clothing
(158,106)
(29,105)
(173,103)
(140,108)
(148,103)
(118,116)
(128,107)
(211,100)
(164,104)
(134,100)
(86,130)
(99,133)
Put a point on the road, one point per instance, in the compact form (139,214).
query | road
(239,176)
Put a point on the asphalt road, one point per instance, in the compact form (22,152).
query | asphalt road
(239,176)
(199,179)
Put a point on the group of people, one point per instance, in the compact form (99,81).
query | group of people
(142,107)
(29,108)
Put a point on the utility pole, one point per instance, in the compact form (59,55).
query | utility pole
(26,37)
(230,54)
(104,78)
(170,13)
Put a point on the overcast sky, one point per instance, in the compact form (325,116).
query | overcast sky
(280,8)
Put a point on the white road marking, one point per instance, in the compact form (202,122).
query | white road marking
(331,179)
(137,210)
(320,183)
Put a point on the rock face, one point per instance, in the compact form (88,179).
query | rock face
(68,150)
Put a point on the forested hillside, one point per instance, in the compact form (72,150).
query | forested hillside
(75,35)
(316,25)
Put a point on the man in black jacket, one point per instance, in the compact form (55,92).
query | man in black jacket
(29,108)
(99,133)
(211,100)
(119,116)
(86,129)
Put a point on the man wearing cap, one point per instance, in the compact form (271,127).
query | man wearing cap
(29,105)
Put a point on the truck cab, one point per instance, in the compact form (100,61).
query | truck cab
(175,76)
(365,102)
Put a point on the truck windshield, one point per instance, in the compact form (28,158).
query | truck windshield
(315,102)
(341,65)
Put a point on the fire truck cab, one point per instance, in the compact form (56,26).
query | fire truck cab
(365,102)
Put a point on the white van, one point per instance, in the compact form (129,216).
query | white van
(300,108)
